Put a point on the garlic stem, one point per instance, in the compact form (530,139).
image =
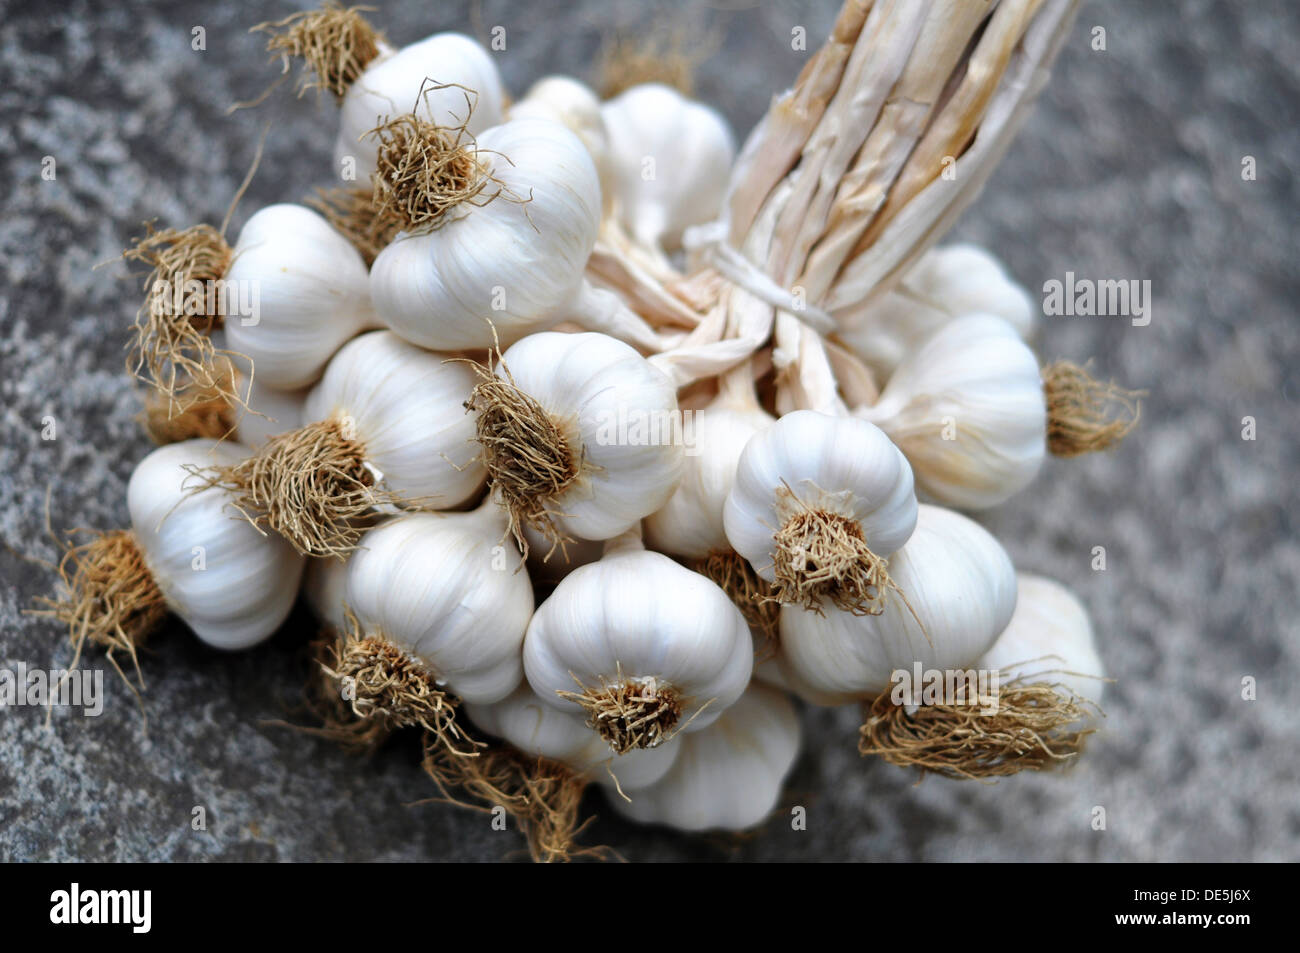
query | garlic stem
(629,542)
(736,388)
(599,310)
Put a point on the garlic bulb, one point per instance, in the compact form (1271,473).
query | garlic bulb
(312,294)
(442,589)
(690,524)
(576,107)
(388,426)
(672,162)
(406,407)
(540,730)
(1028,703)
(818,505)
(946,282)
(509,260)
(200,556)
(288,294)
(967,409)
(960,591)
(395,82)
(1049,640)
(577,433)
(729,775)
(642,645)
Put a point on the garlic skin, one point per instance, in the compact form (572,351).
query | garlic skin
(1049,639)
(406,408)
(510,265)
(728,776)
(955,576)
(391,84)
(692,151)
(690,524)
(638,616)
(584,382)
(575,106)
(541,731)
(839,465)
(945,283)
(312,294)
(446,589)
(968,410)
(232,585)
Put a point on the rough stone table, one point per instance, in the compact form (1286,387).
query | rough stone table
(1130,168)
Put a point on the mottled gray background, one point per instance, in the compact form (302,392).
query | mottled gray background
(1130,168)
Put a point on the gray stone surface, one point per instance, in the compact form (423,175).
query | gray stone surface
(1130,168)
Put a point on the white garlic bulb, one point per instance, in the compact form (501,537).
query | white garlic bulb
(610,415)
(405,407)
(399,81)
(672,161)
(728,776)
(690,524)
(960,591)
(513,264)
(311,294)
(575,106)
(540,730)
(817,504)
(1049,639)
(445,589)
(231,584)
(945,283)
(967,409)
(641,645)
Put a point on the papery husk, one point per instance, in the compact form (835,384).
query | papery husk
(657,291)
(336,43)
(110,598)
(841,187)
(310,485)
(1083,414)
(1037,726)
